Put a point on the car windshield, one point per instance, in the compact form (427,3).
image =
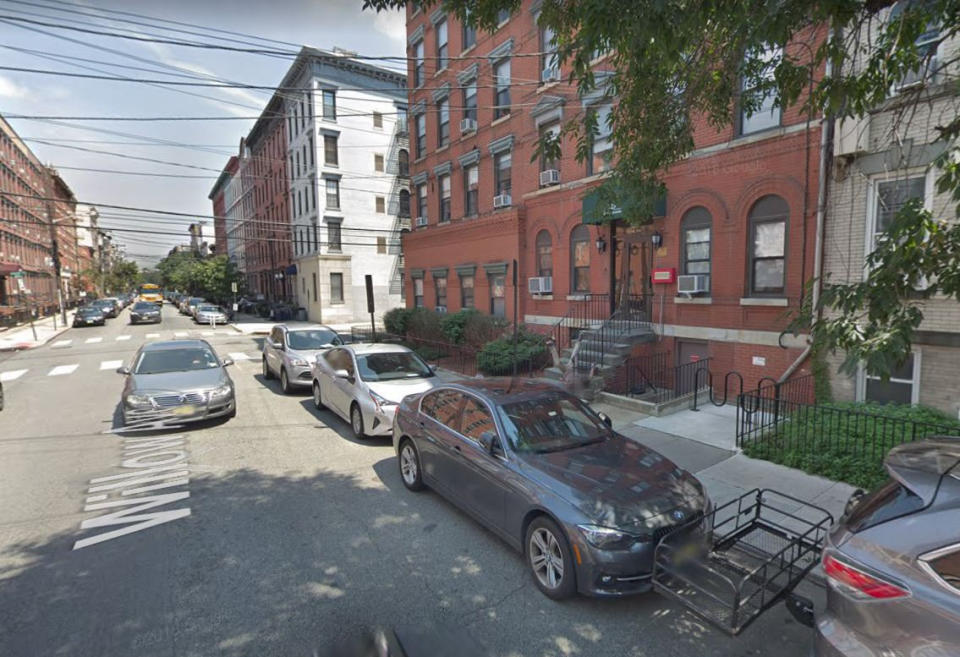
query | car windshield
(195,302)
(90,311)
(209,309)
(551,422)
(312,339)
(175,360)
(391,366)
(144,305)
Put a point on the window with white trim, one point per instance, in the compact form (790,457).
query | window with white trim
(418,63)
(766,115)
(501,76)
(601,141)
(903,386)
(442,44)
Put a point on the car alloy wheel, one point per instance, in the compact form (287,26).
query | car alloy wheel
(550,559)
(410,466)
(266,369)
(284,382)
(356,421)
(317,397)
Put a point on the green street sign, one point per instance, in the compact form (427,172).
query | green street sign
(16,274)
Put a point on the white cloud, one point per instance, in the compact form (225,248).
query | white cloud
(10,89)
(392,24)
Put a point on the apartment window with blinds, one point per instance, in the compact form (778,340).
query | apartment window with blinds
(422,201)
(471,189)
(443,122)
(333,236)
(330,154)
(501,76)
(498,296)
(501,171)
(440,287)
(418,293)
(552,130)
(544,254)
(548,50)
(442,44)
(466,291)
(444,198)
(336,288)
(695,228)
(765,115)
(601,142)
(329,105)
(333,194)
(469,35)
(421,136)
(768,246)
(418,63)
(470,100)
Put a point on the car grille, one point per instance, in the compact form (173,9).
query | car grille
(166,401)
(691,523)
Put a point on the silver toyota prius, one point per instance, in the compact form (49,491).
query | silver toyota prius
(176,381)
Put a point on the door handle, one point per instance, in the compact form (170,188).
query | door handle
(456,448)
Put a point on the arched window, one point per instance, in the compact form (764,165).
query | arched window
(695,231)
(403,162)
(404,203)
(580,259)
(768,246)
(544,254)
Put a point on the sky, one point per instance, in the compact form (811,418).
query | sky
(321,23)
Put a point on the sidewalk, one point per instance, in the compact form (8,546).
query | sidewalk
(253,325)
(21,337)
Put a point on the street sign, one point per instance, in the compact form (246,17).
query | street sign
(233,286)
(20,283)
(17,274)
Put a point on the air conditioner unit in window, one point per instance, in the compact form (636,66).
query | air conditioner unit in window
(422,220)
(549,177)
(501,201)
(692,283)
(441,309)
(540,284)
(468,125)
(550,74)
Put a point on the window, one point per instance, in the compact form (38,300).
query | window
(310,149)
(889,197)
(503,15)
(381,244)
(330,156)
(766,115)
(501,172)
(548,50)
(442,45)
(601,146)
(470,100)
(471,189)
(926,45)
(444,198)
(498,297)
(418,63)
(553,131)
(377,120)
(381,204)
(418,293)
(695,229)
(443,123)
(403,163)
(404,210)
(440,287)
(469,34)
(314,229)
(580,259)
(297,160)
(313,275)
(475,419)
(333,236)
(544,254)
(402,120)
(444,407)
(901,388)
(501,75)
(329,105)
(336,287)
(421,140)
(378,162)
(422,201)
(333,194)
(768,237)
(466,291)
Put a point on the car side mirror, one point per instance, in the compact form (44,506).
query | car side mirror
(227,362)
(488,440)
(854,500)
(341,374)
(123,369)
(605,418)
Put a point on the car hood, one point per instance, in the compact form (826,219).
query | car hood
(395,391)
(619,483)
(178,381)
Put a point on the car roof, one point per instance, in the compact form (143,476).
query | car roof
(361,348)
(169,345)
(506,389)
(307,327)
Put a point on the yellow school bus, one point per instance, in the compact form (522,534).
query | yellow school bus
(151,292)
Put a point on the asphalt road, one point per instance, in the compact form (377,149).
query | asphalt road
(296,535)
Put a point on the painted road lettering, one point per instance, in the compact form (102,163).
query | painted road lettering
(132,500)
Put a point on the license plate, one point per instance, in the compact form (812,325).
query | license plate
(90,321)
(188,409)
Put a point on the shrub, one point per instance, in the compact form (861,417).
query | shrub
(496,357)
(454,324)
(424,324)
(396,320)
(481,328)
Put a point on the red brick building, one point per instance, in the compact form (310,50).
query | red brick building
(62,211)
(218,199)
(739,222)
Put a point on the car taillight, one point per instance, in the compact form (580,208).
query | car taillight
(859,584)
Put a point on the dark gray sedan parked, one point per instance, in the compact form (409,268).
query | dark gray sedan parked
(546,473)
(177,381)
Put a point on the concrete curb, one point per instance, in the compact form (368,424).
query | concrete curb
(24,346)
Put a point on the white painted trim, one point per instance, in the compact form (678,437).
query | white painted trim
(860,387)
(693,300)
(763,301)
(895,174)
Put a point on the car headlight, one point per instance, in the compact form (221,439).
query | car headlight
(380,400)
(607,538)
(299,362)
(222,391)
(138,400)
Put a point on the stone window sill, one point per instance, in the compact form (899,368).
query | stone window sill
(693,300)
(763,301)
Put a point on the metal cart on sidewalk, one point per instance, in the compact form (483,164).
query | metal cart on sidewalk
(746,556)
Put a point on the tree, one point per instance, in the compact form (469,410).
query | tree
(672,60)
(123,276)
(211,278)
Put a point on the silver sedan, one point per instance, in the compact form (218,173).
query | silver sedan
(364,384)
(209,314)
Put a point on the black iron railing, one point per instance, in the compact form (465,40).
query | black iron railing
(655,379)
(630,319)
(584,311)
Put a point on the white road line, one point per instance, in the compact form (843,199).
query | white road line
(179,334)
(60,370)
(206,333)
(150,336)
(110,364)
(12,375)
(59,344)
(237,356)
(93,340)
(120,338)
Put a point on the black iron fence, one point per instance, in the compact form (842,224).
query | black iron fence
(583,312)
(656,379)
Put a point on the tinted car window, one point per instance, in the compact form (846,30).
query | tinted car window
(948,568)
(175,360)
(312,339)
(144,305)
(552,421)
(476,419)
(889,501)
(392,366)
(443,406)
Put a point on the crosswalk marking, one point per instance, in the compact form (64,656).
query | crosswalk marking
(238,356)
(180,334)
(60,370)
(150,336)
(93,340)
(120,338)
(206,333)
(12,375)
(110,364)
(60,344)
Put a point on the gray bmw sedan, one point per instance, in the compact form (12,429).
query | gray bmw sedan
(537,466)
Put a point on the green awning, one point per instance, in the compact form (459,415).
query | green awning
(596,212)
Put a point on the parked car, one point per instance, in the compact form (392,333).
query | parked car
(145,311)
(289,353)
(364,384)
(892,562)
(89,316)
(583,504)
(107,306)
(190,305)
(209,314)
(177,381)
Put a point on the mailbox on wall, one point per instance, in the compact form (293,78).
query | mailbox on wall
(663,275)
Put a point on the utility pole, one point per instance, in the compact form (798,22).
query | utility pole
(55,253)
